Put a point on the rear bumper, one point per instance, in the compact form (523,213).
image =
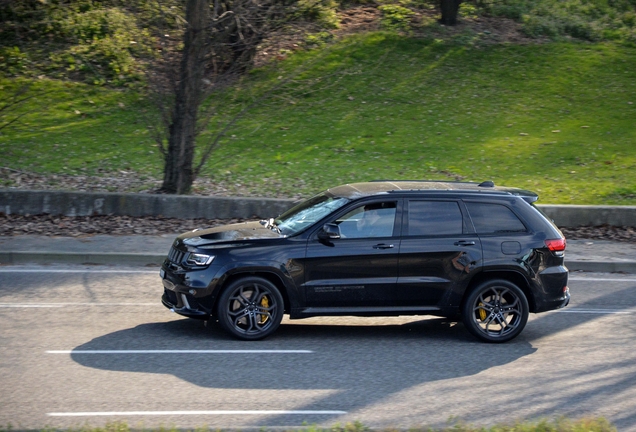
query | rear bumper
(557,303)
(553,289)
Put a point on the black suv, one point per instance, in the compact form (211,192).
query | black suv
(474,252)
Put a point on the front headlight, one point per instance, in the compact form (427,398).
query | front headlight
(199,259)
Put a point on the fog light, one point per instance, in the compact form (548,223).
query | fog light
(192,292)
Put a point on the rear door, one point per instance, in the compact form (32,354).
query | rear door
(505,239)
(439,251)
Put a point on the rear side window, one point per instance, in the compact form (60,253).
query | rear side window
(434,218)
(494,218)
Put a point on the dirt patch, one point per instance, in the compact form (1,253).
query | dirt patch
(79,226)
(424,23)
(359,19)
(120,181)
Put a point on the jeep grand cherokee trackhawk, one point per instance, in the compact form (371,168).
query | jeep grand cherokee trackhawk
(475,252)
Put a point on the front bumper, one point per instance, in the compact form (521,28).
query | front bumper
(181,304)
(189,293)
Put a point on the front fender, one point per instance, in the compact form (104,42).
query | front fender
(268,269)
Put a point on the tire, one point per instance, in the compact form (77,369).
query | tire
(495,311)
(250,308)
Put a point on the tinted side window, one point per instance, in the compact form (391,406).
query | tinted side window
(494,218)
(369,220)
(434,218)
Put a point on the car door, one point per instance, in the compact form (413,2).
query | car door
(504,237)
(439,251)
(359,269)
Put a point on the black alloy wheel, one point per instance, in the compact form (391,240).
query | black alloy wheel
(495,311)
(250,308)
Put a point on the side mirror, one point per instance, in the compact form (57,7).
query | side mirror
(329,231)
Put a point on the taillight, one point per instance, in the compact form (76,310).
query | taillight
(556,245)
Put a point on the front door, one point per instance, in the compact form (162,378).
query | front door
(360,268)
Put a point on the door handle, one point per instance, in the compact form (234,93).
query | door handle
(383,246)
(464,243)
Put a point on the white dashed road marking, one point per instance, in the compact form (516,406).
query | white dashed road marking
(181,352)
(219,412)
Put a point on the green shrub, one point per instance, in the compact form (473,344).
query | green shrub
(591,20)
(322,12)
(318,39)
(396,17)
(95,41)
(13,61)
(106,44)
(468,10)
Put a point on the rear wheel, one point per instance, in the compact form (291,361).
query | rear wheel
(496,311)
(250,308)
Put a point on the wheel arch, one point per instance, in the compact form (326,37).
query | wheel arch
(270,276)
(510,276)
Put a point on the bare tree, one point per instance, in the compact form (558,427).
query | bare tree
(220,43)
(178,174)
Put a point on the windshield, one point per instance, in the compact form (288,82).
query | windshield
(307,213)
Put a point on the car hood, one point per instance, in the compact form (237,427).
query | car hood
(228,233)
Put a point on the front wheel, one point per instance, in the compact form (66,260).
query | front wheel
(250,308)
(495,311)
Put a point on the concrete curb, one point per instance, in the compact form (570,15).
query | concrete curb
(602,266)
(156,259)
(24,202)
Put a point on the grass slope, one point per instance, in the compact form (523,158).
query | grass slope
(557,118)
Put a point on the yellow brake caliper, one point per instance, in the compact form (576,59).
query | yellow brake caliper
(265,304)
(482,312)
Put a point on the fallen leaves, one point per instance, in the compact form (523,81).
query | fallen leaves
(79,226)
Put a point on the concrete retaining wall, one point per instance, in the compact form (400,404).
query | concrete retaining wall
(178,206)
(583,215)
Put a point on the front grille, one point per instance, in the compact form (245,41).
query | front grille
(175,255)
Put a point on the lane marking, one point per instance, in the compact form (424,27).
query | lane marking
(181,352)
(59,305)
(216,412)
(591,279)
(13,270)
(30,306)
(596,311)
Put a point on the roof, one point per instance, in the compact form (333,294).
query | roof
(357,190)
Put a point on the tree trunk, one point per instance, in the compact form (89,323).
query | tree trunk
(450,8)
(178,170)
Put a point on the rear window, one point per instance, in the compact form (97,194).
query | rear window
(434,218)
(494,218)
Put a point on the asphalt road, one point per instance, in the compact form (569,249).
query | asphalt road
(91,345)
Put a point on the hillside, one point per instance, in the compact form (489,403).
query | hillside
(480,101)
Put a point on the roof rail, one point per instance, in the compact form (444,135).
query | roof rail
(422,181)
